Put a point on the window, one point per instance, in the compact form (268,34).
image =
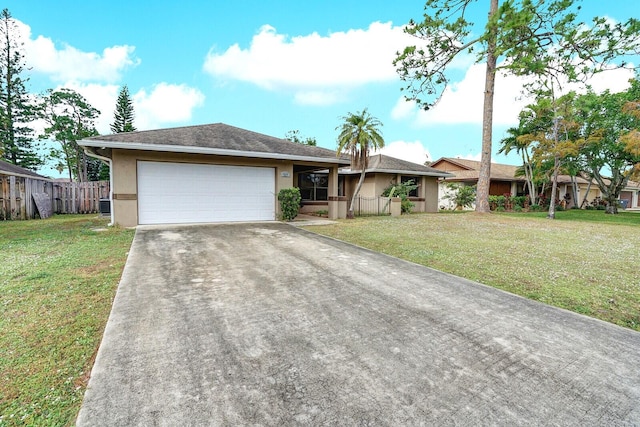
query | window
(315,186)
(416,180)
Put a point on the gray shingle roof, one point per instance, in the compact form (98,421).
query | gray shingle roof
(11,169)
(388,164)
(217,136)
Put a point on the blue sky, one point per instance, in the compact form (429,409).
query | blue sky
(266,66)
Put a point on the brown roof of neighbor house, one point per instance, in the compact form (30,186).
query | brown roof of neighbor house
(386,164)
(468,170)
(11,169)
(218,138)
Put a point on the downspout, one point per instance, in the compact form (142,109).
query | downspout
(108,162)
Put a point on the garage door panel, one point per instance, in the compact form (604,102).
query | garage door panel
(187,193)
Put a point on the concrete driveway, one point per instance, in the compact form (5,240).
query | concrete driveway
(267,324)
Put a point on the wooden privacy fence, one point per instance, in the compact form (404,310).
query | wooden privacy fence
(18,197)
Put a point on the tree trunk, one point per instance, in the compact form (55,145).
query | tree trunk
(574,189)
(350,214)
(554,188)
(482,199)
(612,203)
(586,194)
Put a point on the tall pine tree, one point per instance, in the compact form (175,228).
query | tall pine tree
(123,115)
(16,110)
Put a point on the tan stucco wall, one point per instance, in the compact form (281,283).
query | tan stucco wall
(125,179)
(375,184)
(430,186)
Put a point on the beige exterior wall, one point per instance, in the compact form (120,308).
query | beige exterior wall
(125,178)
(431,194)
(375,184)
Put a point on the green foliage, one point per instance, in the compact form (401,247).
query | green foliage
(535,208)
(543,40)
(295,136)
(70,118)
(359,134)
(289,199)
(604,125)
(123,114)
(406,205)
(16,109)
(464,196)
(402,190)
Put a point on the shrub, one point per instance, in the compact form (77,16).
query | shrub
(462,195)
(519,201)
(289,199)
(517,208)
(535,208)
(406,205)
(500,209)
(401,190)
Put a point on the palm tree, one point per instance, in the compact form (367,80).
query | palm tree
(514,142)
(358,135)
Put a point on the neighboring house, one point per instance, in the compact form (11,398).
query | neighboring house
(381,172)
(17,187)
(217,172)
(629,195)
(9,169)
(466,172)
(504,181)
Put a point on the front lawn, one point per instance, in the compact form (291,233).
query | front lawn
(57,282)
(584,261)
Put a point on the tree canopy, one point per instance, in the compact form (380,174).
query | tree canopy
(295,136)
(69,118)
(539,38)
(359,134)
(123,114)
(16,105)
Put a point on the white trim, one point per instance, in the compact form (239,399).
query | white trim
(206,150)
(397,171)
(109,162)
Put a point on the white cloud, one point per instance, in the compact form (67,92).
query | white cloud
(314,67)
(317,97)
(67,63)
(462,102)
(475,157)
(413,152)
(101,97)
(403,109)
(165,104)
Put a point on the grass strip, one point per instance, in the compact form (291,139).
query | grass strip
(58,279)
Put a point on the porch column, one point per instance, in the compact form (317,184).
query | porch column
(333,199)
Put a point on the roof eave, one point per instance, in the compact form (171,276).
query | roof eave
(207,150)
(400,171)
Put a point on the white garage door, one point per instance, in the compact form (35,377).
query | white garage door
(171,193)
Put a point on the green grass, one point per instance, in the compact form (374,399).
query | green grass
(584,261)
(623,217)
(57,281)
